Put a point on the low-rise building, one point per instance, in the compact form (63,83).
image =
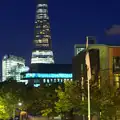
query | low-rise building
(46,74)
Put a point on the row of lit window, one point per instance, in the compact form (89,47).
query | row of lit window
(44,40)
(55,80)
(42,5)
(117,80)
(46,26)
(42,21)
(43,32)
(42,17)
(42,10)
(42,60)
(43,52)
(42,45)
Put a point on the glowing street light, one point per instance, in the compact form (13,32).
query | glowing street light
(19,104)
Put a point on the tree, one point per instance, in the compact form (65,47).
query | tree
(43,101)
(12,93)
(49,99)
(3,108)
(8,104)
(104,100)
(68,98)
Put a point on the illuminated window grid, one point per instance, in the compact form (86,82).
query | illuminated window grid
(117,80)
(52,80)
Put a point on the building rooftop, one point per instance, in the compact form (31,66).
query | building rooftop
(51,68)
(109,45)
(13,57)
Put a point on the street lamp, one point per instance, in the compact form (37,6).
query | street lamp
(14,109)
(19,104)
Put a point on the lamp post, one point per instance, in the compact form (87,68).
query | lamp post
(14,109)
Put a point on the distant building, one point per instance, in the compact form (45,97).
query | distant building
(12,66)
(109,61)
(42,52)
(46,74)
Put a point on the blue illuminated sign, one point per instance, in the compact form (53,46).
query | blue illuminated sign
(49,75)
(36,85)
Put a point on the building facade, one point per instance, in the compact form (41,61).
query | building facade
(42,52)
(12,66)
(109,60)
(47,74)
(80,69)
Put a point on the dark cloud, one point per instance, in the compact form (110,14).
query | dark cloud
(114,30)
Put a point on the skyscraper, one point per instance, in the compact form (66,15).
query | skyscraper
(42,52)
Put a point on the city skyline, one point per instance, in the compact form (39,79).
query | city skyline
(70,24)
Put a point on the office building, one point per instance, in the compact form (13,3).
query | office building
(109,61)
(12,66)
(42,52)
(47,74)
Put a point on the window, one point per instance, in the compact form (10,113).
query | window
(117,80)
(54,80)
(61,80)
(51,80)
(47,80)
(116,64)
(79,50)
(81,67)
(44,81)
(58,80)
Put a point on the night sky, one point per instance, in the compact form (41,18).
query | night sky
(71,21)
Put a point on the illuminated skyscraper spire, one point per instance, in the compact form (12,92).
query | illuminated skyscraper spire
(42,52)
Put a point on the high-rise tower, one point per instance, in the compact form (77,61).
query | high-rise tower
(42,52)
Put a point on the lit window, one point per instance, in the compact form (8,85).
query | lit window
(41,32)
(54,80)
(47,80)
(58,80)
(45,45)
(44,81)
(37,35)
(40,41)
(117,81)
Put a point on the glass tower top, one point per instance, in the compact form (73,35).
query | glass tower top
(42,35)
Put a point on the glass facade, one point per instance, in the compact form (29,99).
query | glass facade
(12,66)
(42,56)
(48,75)
(42,39)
